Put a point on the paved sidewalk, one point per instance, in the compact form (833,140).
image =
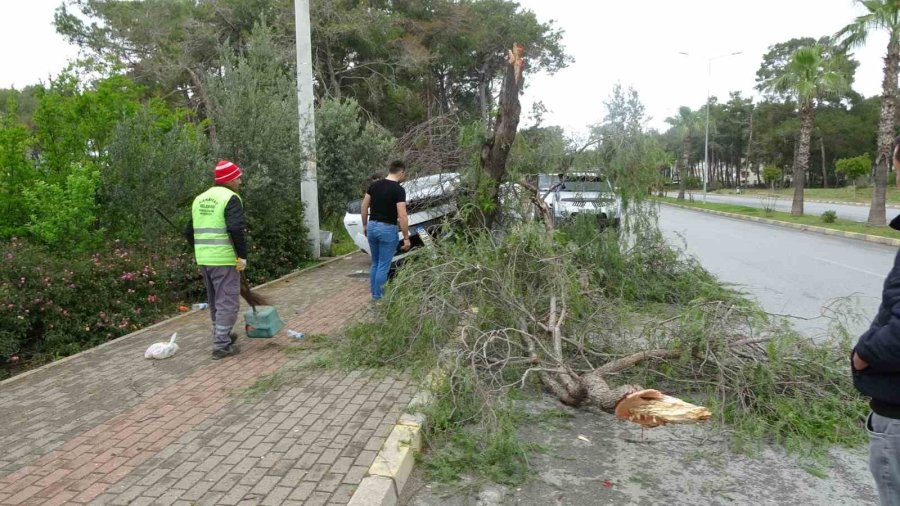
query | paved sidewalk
(109,427)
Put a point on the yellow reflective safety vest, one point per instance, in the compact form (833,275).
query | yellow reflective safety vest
(212,244)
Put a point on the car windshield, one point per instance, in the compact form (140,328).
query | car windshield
(435,183)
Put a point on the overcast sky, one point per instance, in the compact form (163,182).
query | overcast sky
(31,49)
(610,41)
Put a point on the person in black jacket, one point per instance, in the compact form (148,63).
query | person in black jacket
(875,363)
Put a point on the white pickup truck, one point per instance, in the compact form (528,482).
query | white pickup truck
(573,194)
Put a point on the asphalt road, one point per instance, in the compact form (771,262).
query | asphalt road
(847,212)
(803,274)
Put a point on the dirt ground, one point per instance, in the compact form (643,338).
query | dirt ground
(672,465)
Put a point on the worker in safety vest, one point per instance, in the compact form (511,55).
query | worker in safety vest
(217,233)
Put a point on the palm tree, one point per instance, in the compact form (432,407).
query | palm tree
(807,76)
(686,125)
(883,15)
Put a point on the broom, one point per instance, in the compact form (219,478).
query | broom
(253,299)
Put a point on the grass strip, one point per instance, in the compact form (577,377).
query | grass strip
(839,224)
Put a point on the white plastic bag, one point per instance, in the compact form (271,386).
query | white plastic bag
(160,351)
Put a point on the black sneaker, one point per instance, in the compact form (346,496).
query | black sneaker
(232,349)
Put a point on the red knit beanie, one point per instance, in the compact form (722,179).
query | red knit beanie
(227,171)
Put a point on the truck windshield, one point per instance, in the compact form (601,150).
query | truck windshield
(573,182)
(582,184)
(546,181)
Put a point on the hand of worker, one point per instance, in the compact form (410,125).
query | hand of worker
(241,264)
(858,363)
(406,245)
(365,231)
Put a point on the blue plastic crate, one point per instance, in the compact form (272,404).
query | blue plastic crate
(262,323)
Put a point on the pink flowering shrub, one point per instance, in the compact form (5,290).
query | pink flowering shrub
(52,306)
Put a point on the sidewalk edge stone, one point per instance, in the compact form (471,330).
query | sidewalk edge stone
(797,226)
(375,491)
(18,377)
(396,458)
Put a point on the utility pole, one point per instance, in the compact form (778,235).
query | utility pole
(708,84)
(706,142)
(309,189)
(749,146)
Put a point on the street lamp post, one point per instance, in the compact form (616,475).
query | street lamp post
(309,189)
(706,141)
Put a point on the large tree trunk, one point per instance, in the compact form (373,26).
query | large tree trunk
(484,102)
(885,135)
(205,104)
(332,76)
(443,92)
(801,160)
(485,97)
(824,172)
(683,166)
(495,151)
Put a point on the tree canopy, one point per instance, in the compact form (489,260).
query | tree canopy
(402,61)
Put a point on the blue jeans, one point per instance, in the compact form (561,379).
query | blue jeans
(383,242)
(884,457)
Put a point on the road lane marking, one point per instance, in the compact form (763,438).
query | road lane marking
(857,269)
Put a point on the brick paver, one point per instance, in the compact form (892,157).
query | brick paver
(110,427)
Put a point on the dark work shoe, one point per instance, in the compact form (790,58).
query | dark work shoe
(233,336)
(232,349)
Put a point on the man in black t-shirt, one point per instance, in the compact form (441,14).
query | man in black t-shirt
(384,218)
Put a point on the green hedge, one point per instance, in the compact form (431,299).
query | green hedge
(54,305)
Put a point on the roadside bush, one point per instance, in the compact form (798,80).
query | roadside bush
(693,183)
(55,305)
(155,160)
(254,109)
(347,152)
(772,174)
(768,203)
(829,216)
(854,169)
(17,173)
(74,120)
(63,216)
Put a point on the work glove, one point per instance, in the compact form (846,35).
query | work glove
(240,264)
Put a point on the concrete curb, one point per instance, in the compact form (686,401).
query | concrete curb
(845,203)
(817,201)
(797,226)
(158,324)
(391,468)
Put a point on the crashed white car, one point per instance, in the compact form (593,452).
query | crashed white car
(570,195)
(430,200)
